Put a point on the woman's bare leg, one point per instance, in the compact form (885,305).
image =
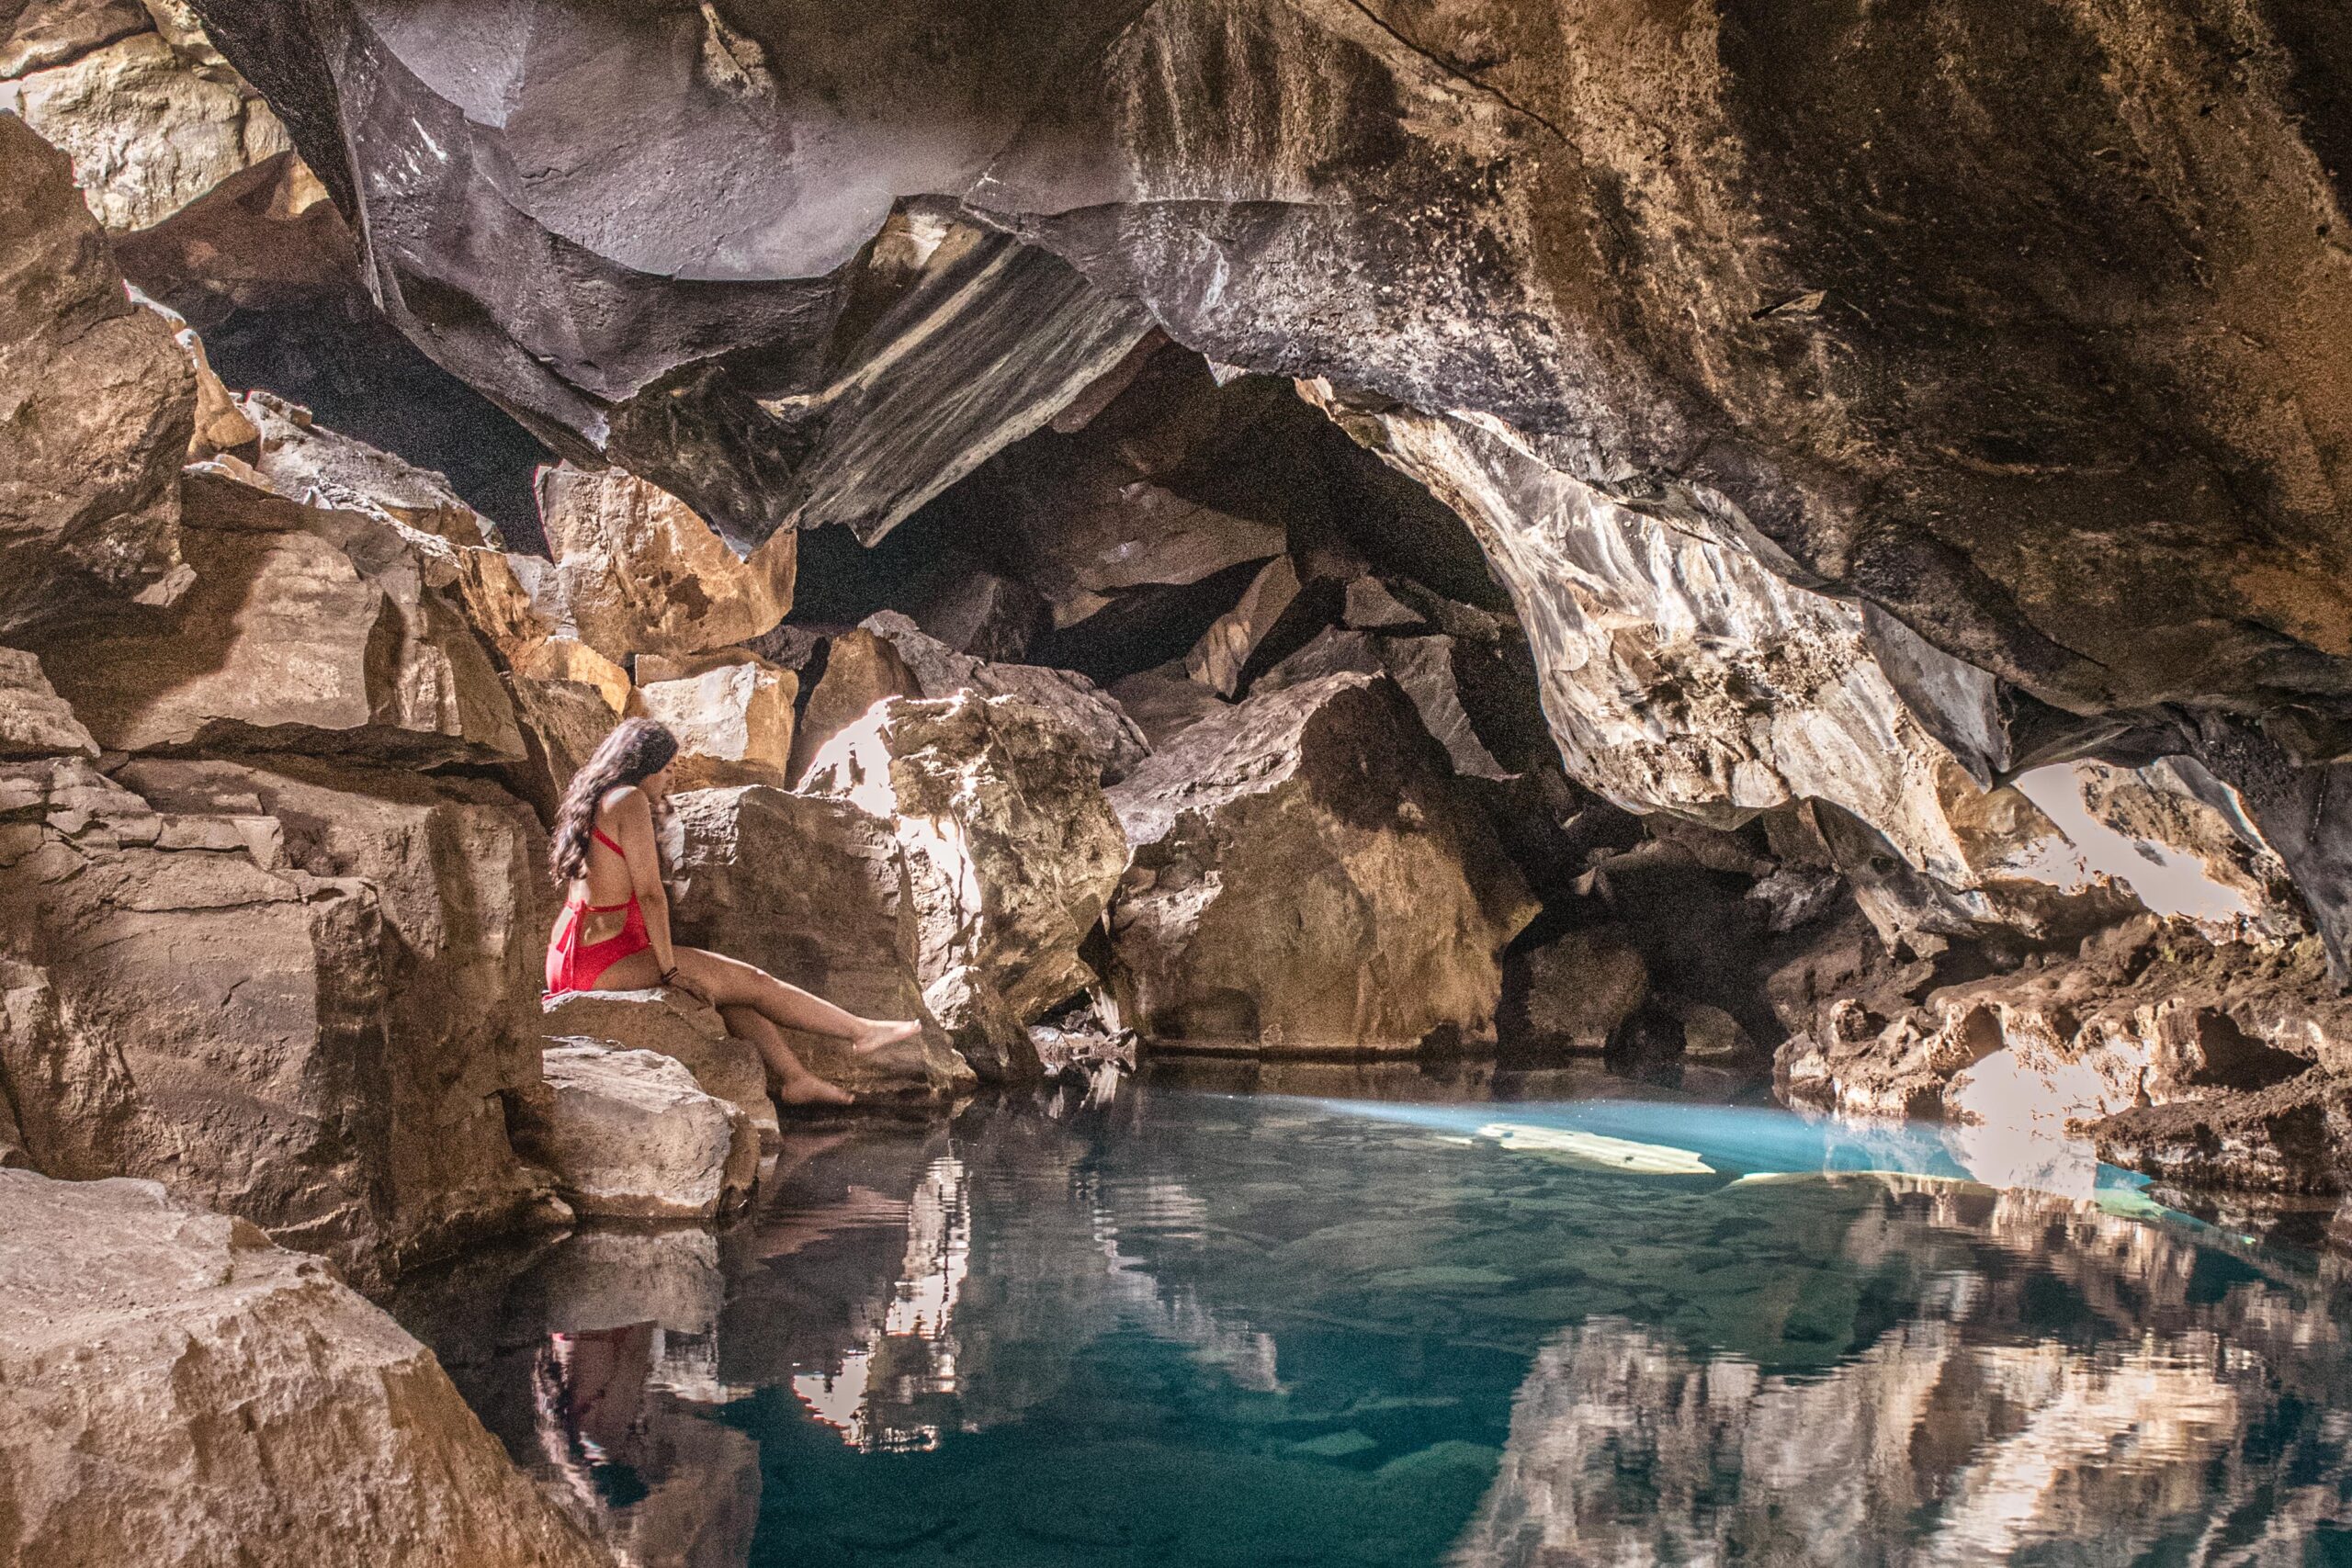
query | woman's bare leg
(731,983)
(789,1080)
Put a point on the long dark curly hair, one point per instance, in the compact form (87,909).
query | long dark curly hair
(630,755)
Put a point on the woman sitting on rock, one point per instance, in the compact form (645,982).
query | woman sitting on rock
(614,934)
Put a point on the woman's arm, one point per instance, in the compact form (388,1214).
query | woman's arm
(632,814)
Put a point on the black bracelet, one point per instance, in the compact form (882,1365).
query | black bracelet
(670,976)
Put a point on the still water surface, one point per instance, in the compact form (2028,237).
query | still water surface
(1192,1328)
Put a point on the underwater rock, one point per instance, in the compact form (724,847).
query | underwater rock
(1305,881)
(1012,846)
(816,892)
(670,1024)
(105,404)
(176,1392)
(731,712)
(629,1135)
(641,573)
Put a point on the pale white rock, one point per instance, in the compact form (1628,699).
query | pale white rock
(149,128)
(305,461)
(627,1134)
(672,1024)
(642,573)
(815,891)
(861,669)
(177,1392)
(1109,735)
(1011,844)
(732,713)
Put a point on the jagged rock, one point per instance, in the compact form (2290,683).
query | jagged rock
(150,129)
(303,460)
(1012,846)
(982,1026)
(983,613)
(2295,1138)
(1109,736)
(2148,1012)
(861,669)
(629,1135)
(221,424)
(305,629)
(816,892)
(1573,992)
(2203,860)
(1423,666)
(180,1393)
(670,1024)
(1304,881)
(1221,657)
(294,993)
(38,34)
(642,574)
(1162,703)
(731,712)
(102,401)
(34,721)
(1370,606)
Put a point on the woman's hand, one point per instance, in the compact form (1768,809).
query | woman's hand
(674,980)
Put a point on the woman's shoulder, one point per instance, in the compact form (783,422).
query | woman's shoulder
(622,799)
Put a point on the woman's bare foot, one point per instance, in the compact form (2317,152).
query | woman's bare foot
(882,1032)
(809,1089)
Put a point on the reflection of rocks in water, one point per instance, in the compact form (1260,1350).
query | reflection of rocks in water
(1968,1433)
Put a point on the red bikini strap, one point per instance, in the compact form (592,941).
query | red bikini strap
(599,833)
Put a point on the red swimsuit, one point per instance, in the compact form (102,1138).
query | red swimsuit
(571,967)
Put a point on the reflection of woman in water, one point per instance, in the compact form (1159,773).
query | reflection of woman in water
(589,1388)
(614,934)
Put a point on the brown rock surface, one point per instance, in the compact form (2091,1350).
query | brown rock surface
(294,993)
(1303,881)
(34,721)
(1573,992)
(305,629)
(1223,651)
(861,669)
(1012,846)
(816,892)
(102,403)
(176,1392)
(629,1135)
(641,573)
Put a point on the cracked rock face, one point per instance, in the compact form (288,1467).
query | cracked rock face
(179,1392)
(1306,880)
(2099,456)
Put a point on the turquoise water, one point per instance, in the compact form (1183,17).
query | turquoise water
(1193,1328)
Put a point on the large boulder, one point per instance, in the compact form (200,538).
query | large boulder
(101,406)
(641,573)
(176,1392)
(816,891)
(290,993)
(34,721)
(671,1023)
(1011,845)
(1110,739)
(629,1134)
(1306,880)
(731,711)
(861,669)
(306,629)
